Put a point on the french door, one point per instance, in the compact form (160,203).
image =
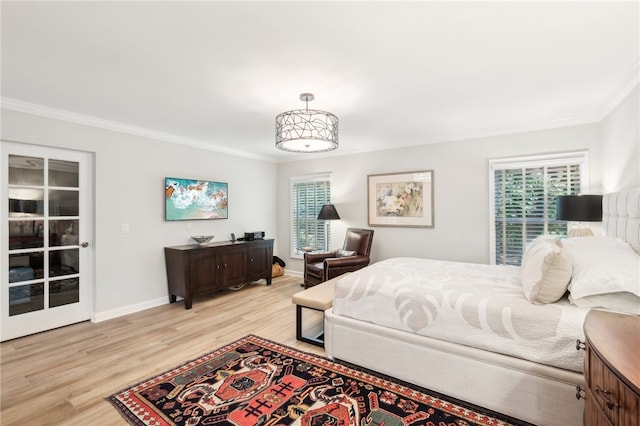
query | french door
(46,215)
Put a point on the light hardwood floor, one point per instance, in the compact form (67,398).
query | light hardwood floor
(61,377)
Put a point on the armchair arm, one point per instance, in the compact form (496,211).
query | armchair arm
(343,262)
(340,265)
(318,257)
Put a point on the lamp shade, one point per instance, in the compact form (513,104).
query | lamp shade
(328,212)
(579,208)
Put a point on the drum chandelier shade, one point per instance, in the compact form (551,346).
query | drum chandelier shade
(306,130)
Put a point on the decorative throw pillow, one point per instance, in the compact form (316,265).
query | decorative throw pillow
(545,271)
(345,253)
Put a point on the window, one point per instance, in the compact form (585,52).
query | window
(308,195)
(523,195)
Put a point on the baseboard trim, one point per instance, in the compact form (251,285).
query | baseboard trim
(148,304)
(130,309)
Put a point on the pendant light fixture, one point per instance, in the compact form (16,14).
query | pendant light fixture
(306,130)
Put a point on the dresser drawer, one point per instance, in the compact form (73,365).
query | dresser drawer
(593,414)
(629,411)
(608,396)
(605,388)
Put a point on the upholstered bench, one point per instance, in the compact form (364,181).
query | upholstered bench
(317,298)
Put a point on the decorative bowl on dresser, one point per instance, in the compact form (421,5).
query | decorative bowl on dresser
(612,369)
(202,239)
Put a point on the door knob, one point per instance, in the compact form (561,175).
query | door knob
(84,244)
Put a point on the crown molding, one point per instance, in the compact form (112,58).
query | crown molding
(87,120)
(628,82)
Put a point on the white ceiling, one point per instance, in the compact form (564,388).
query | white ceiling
(395,73)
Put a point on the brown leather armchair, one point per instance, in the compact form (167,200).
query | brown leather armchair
(354,255)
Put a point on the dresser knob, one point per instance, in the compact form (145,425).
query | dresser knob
(580,345)
(579,392)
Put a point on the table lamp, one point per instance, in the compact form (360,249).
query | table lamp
(579,208)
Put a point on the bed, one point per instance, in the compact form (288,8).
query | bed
(399,316)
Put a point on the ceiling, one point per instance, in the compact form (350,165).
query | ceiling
(215,74)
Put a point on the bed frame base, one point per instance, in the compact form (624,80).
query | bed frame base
(521,389)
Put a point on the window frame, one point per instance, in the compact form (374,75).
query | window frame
(315,178)
(532,161)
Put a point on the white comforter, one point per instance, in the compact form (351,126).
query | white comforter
(471,304)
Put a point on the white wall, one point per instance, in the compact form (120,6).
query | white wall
(461,191)
(129,172)
(129,186)
(621,145)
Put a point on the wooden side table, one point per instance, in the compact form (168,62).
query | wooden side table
(612,369)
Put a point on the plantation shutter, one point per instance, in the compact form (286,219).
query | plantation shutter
(524,200)
(308,195)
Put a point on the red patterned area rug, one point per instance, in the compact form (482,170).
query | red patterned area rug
(254,381)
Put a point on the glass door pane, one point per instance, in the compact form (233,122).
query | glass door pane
(64,173)
(26,170)
(26,298)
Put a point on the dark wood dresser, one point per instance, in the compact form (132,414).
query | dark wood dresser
(612,369)
(194,270)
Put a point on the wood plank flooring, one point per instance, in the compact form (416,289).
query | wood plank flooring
(61,377)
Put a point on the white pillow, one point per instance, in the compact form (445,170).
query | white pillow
(606,274)
(619,302)
(545,271)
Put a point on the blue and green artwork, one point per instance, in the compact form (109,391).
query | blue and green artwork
(188,199)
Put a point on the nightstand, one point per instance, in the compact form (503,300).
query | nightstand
(612,369)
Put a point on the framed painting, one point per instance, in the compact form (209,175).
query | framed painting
(189,199)
(401,199)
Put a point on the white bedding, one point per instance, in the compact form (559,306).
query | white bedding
(476,305)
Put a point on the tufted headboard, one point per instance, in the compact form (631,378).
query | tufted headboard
(621,216)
